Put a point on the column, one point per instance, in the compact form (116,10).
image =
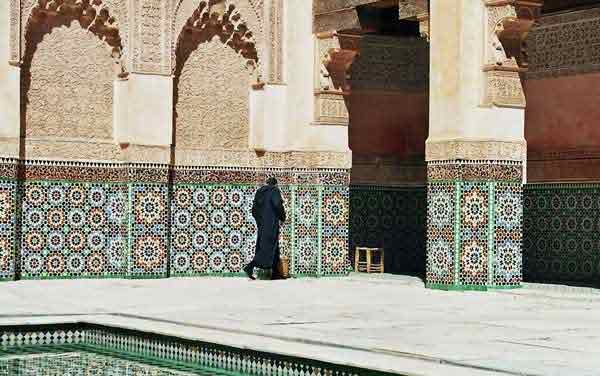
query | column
(476,147)
(10,79)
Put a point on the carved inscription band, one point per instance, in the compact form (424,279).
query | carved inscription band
(476,150)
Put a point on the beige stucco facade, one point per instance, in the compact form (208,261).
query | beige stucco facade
(162,95)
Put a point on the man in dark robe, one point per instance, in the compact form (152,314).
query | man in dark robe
(268,211)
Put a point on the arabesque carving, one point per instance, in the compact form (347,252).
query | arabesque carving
(275,27)
(73,52)
(216,19)
(91,15)
(216,60)
(15,32)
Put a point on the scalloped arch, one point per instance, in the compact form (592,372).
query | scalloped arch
(183,9)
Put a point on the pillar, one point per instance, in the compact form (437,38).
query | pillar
(10,103)
(10,79)
(476,148)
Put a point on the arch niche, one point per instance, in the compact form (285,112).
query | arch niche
(72,55)
(216,60)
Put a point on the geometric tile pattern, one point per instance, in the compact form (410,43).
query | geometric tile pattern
(334,231)
(73,230)
(441,220)
(16,336)
(148,227)
(508,235)
(213,231)
(561,229)
(393,218)
(474,227)
(8,226)
(83,363)
(306,259)
(109,350)
(110,220)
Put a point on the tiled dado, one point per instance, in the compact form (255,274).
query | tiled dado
(172,353)
(561,228)
(80,220)
(474,225)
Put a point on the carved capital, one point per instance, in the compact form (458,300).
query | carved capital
(508,23)
(335,54)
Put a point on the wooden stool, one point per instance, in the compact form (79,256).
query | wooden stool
(368,265)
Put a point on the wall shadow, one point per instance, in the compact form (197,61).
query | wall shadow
(392,218)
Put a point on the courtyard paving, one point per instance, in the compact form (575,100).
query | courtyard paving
(382,322)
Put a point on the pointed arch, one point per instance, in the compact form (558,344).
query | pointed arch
(183,8)
(92,15)
(213,21)
(49,15)
(204,25)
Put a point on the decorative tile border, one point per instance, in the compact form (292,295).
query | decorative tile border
(474,228)
(165,351)
(97,220)
(475,171)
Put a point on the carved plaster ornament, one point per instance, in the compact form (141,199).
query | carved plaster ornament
(216,19)
(325,79)
(498,49)
(334,56)
(92,15)
(508,23)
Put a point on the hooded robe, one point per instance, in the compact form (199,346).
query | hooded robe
(268,211)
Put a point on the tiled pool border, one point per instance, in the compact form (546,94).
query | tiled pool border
(168,351)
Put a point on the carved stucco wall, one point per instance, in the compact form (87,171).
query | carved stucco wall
(212,105)
(70,55)
(118,9)
(71,86)
(251,11)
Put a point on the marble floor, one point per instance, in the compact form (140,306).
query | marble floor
(385,322)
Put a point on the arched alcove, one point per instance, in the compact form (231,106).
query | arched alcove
(215,60)
(72,56)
